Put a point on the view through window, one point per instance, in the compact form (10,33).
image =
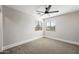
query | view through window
(38,26)
(50,25)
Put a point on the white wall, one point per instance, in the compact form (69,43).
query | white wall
(67,27)
(18,26)
(1,28)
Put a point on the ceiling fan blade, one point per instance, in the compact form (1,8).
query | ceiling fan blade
(53,11)
(48,8)
(42,14)
(40,11)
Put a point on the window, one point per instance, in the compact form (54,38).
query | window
(50,25)
(38,26)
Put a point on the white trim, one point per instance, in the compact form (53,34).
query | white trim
(19,43)
(67,41)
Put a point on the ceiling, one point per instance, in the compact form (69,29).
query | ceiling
(63,9)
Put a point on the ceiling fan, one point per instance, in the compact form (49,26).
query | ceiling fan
(47,10)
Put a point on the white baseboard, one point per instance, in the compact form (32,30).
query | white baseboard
(71,42)
(19,43)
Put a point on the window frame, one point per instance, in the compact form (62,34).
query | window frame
(50,27)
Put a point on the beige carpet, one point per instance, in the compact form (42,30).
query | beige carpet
(44,46)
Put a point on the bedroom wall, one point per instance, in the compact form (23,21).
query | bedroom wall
(67,28)
(1,28)
(18,26)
